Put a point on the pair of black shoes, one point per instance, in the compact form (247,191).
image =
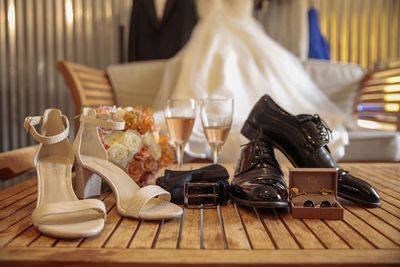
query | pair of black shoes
(258,179)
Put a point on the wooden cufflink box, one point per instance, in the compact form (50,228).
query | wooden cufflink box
(316,186)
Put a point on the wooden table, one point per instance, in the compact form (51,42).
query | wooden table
(229,235)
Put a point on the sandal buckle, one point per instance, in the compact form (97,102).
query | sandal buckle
(201,195)
(27,124)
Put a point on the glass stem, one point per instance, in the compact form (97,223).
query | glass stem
(215,154)
(179,154)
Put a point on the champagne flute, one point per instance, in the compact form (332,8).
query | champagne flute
(179,117)
(216,117)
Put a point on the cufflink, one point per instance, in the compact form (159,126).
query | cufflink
(309,204)
(325,204)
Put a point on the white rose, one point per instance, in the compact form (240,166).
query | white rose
(121,112)
(119,155)
(115,137)
(131,139)
(151,140)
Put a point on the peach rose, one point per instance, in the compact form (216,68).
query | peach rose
(146,179)
(150,165)
(135,169)
(143,154)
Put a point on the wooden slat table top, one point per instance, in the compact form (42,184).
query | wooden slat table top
(224,236)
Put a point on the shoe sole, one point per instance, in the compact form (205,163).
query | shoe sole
(250,132)
(362,202)
(260,204)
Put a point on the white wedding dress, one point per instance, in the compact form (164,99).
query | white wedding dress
(230,55)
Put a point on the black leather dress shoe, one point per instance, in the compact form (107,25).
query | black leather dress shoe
(258,180)
(304,139)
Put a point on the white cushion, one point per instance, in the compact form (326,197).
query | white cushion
(338,81)
(136,83)
(372,145)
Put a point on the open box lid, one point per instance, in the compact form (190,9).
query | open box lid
(312,180)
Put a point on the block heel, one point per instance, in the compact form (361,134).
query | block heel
(87,183)
(250,132)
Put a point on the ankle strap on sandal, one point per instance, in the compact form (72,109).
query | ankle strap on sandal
(110,123)
(29,125)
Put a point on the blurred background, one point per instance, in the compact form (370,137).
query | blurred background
(34,35)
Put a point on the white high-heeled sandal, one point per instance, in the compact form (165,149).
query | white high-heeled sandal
(150,202)
(59,213)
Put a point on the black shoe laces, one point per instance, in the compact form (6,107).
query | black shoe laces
(263,154)
(324,131)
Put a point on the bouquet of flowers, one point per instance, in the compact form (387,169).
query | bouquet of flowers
(139,149)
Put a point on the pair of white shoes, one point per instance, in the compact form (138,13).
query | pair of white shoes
(59,213)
